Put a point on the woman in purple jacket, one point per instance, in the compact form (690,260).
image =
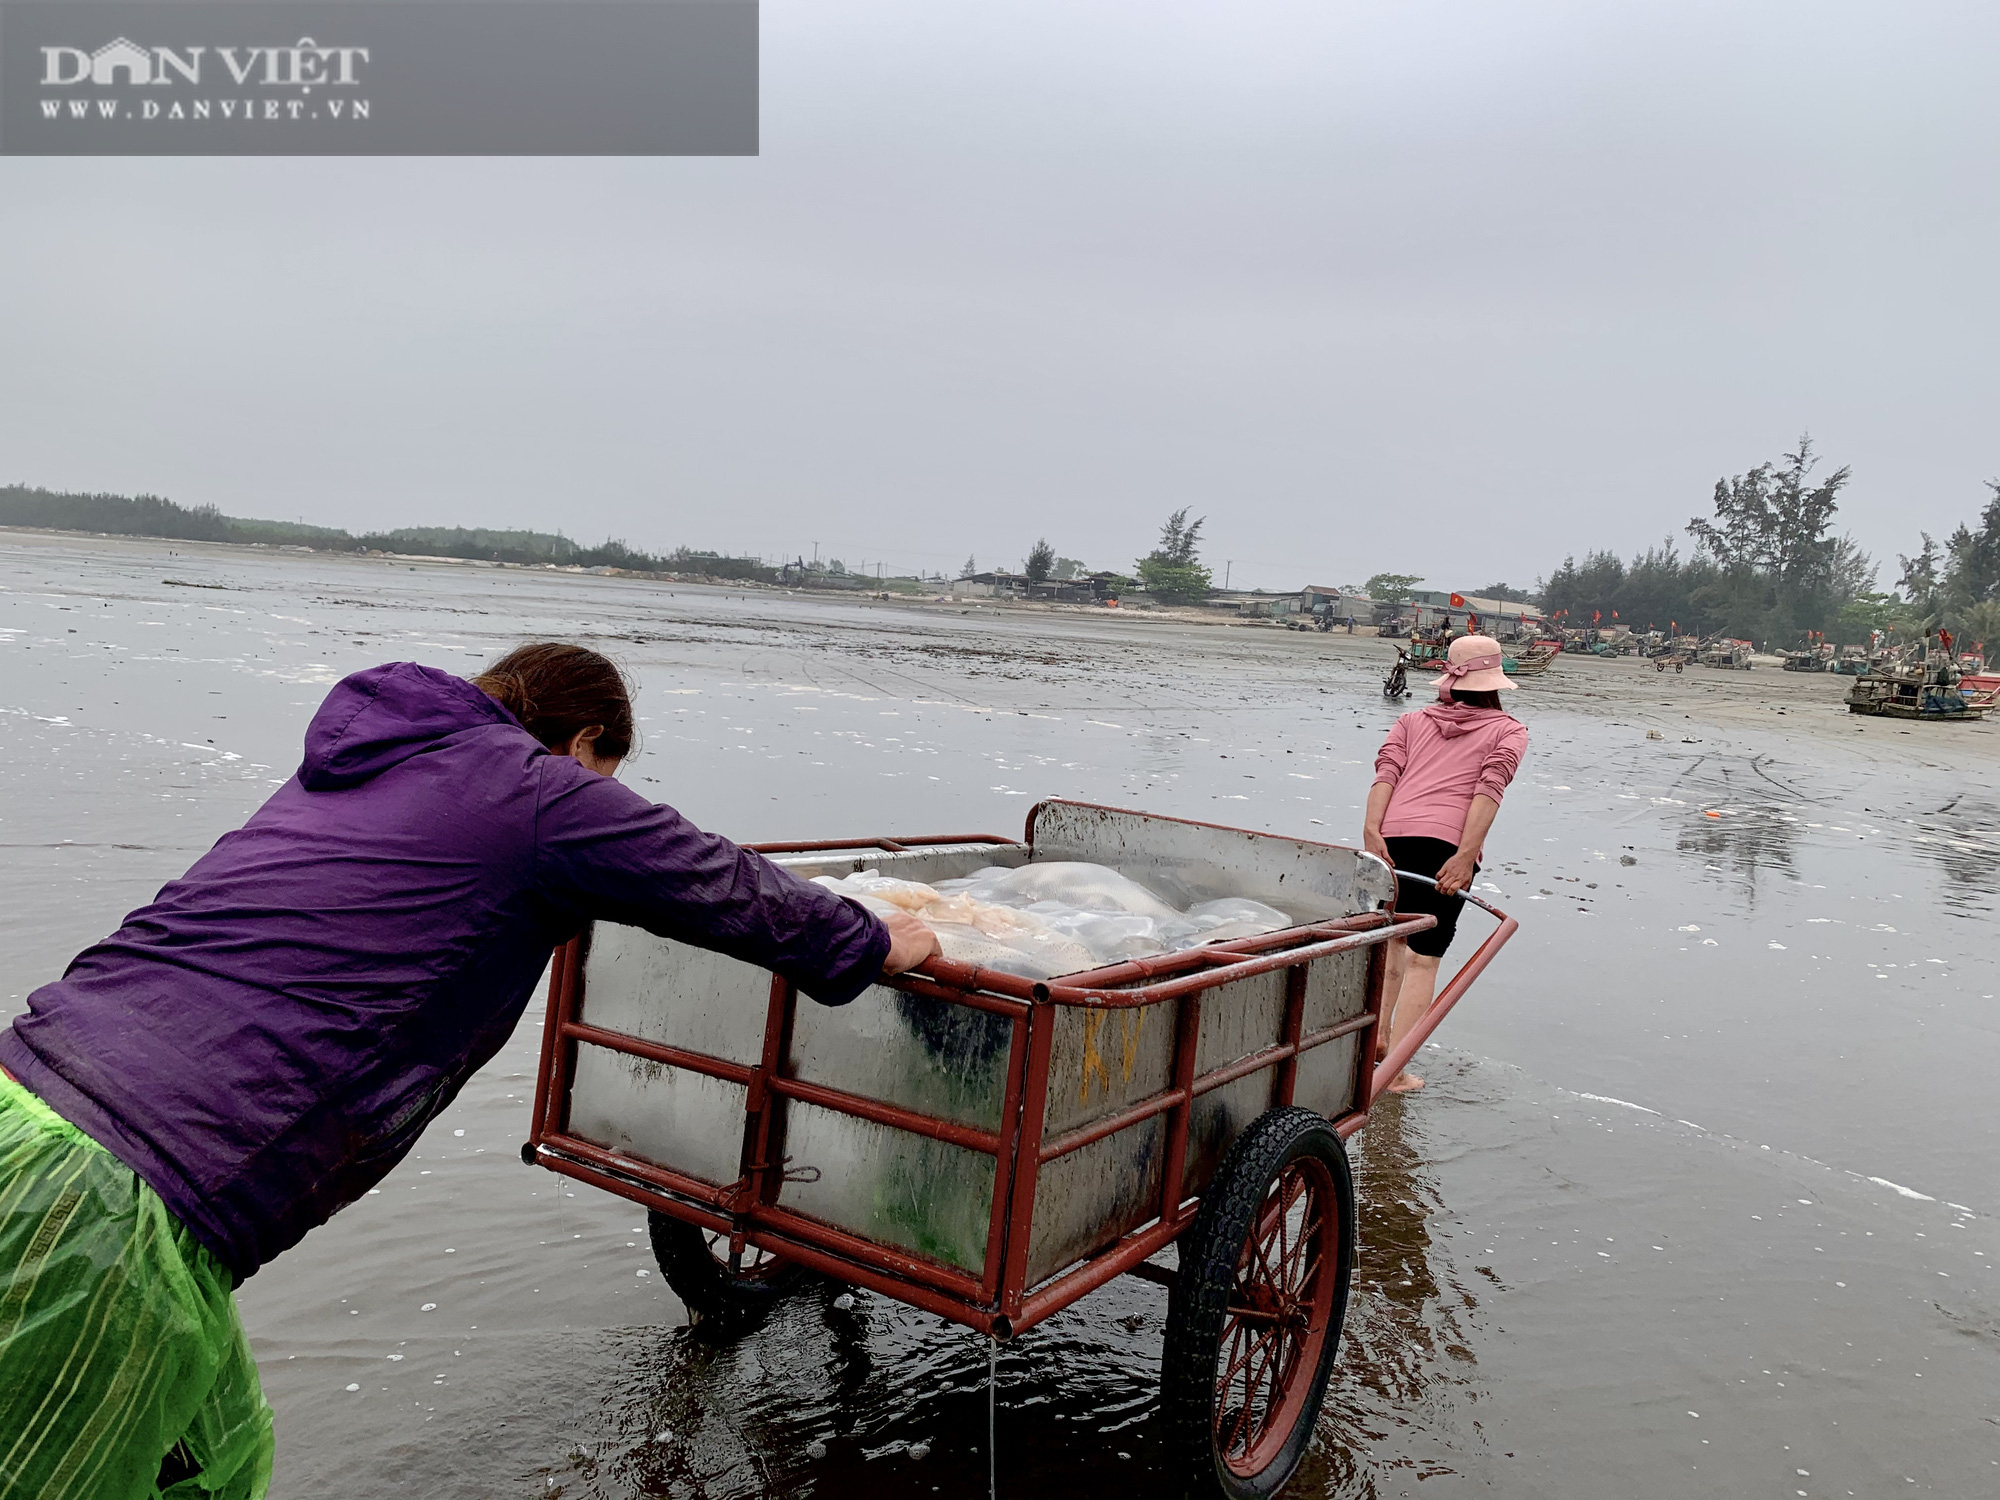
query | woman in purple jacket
(261,1044)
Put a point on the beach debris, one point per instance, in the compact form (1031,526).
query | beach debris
(844,1302)
(1654,734)
(815,1449)
(1626,859)
(920,1451)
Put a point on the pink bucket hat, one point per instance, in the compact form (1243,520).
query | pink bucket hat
(1474,666)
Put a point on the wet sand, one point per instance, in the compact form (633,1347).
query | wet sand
(1700,1198)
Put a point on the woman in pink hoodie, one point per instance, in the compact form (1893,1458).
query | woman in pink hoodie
(1439,778)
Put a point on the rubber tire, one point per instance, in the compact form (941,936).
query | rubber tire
(1209,1252)
(706,1287)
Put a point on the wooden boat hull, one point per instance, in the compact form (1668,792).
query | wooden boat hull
(1968,714)
(1888,698)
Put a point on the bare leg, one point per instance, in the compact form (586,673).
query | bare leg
(1413,998)
(1393,971)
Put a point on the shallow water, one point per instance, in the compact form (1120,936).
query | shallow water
(1714,1137)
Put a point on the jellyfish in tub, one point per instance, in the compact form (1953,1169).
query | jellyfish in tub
(969,932)
(1074,883)
(1058,917)
(1231,917)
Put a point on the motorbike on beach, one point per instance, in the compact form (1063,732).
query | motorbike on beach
(1397,684)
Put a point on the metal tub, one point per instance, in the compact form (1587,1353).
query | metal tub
(979,1144)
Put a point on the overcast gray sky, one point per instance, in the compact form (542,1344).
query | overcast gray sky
(1453,288)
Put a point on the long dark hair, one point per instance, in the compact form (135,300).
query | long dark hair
(1488,699)
(556,689)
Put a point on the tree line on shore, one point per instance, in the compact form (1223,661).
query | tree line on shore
(149,515)
(1766,566)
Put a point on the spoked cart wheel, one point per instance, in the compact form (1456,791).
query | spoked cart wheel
(697,1265)
(1255,1313)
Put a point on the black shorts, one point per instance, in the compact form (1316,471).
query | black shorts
(1426,857)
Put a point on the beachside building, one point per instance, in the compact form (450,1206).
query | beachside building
(1088,588)
(1246,604)
(1318,599)
(996,585)
(1498,616)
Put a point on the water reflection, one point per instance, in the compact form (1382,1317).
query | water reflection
(1734,824)
(879,1400)
(1743,840)
(1963,839)
(837,1402)
(1393,1409)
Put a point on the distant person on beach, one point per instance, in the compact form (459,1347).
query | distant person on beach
(1439,778)
(261,1045)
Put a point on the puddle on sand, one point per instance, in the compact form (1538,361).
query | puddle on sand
(1555,1296)
(880,1400)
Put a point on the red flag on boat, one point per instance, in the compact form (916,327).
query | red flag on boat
(1458,601)
(1596,615)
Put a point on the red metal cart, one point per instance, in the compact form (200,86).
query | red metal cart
(991,1148)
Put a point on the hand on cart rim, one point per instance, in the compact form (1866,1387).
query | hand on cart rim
(910,942)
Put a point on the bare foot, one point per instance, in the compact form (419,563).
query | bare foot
(1404,1083)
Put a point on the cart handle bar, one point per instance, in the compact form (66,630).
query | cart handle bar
(1464,895)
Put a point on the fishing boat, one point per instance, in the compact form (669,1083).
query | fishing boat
(1981,690)
(1921,684)
(1852,662)
(1430,649)
(1530,663)
(1732,655)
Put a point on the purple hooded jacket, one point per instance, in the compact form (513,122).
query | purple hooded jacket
(271,1035)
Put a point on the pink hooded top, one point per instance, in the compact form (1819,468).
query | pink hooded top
(1438,758)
